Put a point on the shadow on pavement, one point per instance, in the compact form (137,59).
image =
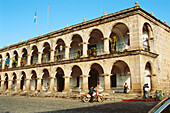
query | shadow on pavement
(116,107)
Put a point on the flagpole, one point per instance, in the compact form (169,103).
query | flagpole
(36,23)
(47,18)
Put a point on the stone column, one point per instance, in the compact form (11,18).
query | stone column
(39,86)
(28,84)
(39,57)
(106,82)
(106,45)
(52,83)
(18,84)
(67,52)
(2,85)
(10,63)
(29,59)
(85,48)
(3,64)
(66,83)
(9,85)
(52,56)
(85,83)
(19,62)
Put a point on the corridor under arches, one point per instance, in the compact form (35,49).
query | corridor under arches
(120,75)
(59,81)
(33,82)
(96,78)
(23,81)
(76,80)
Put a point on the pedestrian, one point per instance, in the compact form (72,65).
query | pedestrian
(47,87)
(144,90)
(147,91)
(91,93)
(125,88)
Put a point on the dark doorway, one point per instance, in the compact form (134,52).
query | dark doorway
(113,81)
(94,78)
(22,82)
(6,82)
(60,82)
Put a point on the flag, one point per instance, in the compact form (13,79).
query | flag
(35,17)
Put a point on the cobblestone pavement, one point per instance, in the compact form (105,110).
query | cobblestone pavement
(19,104)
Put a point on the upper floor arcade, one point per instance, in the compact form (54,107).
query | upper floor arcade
(110,34)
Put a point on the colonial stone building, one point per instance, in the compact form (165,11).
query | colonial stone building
(130,46)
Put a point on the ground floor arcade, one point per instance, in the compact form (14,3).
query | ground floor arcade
(107,74)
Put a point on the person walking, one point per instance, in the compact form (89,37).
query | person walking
(147,92)
(125,88)
(91,92)
(47,87)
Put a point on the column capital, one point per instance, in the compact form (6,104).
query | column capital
(67,77)
(28,79)
(106,74)
(39,78)
(40,52)
(84,75)
(105,38)
(18,79)
(67,47)
(85,43)
(52,77)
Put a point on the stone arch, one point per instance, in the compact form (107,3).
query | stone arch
(120,75)
(76,47)
(76,80)
(45,79)
(33,82)
(46,50)
(34,54)
(96,43)
(24,57)
(147,35)
(14,81)
(59,81)
(96,78)
(47,41)
(23,81)
(6,78)
(119,39)
(59,53)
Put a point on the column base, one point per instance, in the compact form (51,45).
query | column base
(66,91)
(84,91)
(106,53)
(107,91)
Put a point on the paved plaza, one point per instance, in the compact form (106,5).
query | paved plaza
(19,104)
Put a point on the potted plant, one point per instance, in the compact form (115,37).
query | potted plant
(14,63)
(56,55)
(45,57)
(113,43)
(23,62)
(94,51)
(78,53)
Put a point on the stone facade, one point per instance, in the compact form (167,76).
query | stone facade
(130,46)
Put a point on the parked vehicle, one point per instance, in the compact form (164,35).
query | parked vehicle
(96,97)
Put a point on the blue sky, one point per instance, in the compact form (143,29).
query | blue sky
(17,16)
